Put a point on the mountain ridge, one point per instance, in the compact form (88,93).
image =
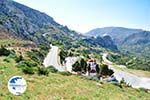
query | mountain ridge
(26,23)
(117,33)
(132,40)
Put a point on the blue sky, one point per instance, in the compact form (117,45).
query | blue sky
(84,15)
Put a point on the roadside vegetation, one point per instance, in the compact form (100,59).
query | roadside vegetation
(131,61)
(80,66)
(11,42)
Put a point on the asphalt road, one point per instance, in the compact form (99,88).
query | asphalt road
(132,79)
(52,58)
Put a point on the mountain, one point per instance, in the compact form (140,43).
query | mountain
(105,42)
(138,43)
(137,38)
(118,34)
(26,23)
(129,40)
(23,22)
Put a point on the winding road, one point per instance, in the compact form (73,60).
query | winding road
(52,59)
(131,79)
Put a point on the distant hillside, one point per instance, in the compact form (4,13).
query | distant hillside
(138,43)
(117,33)
(132,40)
(105,42)
(137,38)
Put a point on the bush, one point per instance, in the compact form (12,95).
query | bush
(80,66)
(33,56)
(18,59)
(36,56)
(43,71)
(4,51)
(21,64)
(105,70)
(6,60)
(97,69)
(52,69)
(25,68)
(30,63)
(12,55)
(65,73)
(63,54)
(83,65)
(44,47)
(76,67)
(28,70)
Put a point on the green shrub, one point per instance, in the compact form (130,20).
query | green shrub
(43,71)
(63,54)
(28,70)
(13,56)
(80,66)
(97,69)
(36,56)
(76,67)
(65,73)
(83,65)
(143,89)
(25,68)
(44,47)
(18,59)
(52,69)
(4,51)
(33,56)
(21,64)
(105,70)
(30,63)
(6,60)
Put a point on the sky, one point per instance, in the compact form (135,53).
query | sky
(85,15)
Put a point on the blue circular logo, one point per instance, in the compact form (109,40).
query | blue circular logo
(17,85)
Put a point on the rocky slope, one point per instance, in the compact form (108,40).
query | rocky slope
(23,22)
(105,42)
(138,43)
(27,23)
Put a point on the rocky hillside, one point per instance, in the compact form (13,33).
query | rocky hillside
(137,38)
(26,23)
(138,43)
(105,42)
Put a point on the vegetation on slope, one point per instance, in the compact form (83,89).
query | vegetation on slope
(57,86)
(46,84)
(131,61)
